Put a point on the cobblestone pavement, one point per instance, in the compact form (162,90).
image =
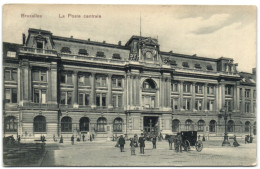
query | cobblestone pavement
(104,153)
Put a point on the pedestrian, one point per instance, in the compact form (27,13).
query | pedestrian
(132,145)
(83,137)
(61,139)
(121,142)
(90,137)
(251,139)
(235,143)
(170,141)
(18,139)
(93,136)
(142,143)
(43,139)
(72,140)
(154,139)
(78,139)
(179,143)
(54,138)
(203,138)
(136,140)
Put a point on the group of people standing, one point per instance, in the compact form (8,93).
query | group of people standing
(135,142)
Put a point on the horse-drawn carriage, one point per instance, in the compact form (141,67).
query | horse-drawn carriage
(189,138)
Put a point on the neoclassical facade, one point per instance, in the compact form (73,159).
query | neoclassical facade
(62,86)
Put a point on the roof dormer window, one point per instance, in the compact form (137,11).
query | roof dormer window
(100,54)
(209,67)
(65,50)
(39,45)
(83,52)
(197,66)
(116,56)
(185,64)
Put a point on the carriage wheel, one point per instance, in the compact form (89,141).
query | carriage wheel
(186,145)
(199,146)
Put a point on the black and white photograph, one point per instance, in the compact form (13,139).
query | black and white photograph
(129,85)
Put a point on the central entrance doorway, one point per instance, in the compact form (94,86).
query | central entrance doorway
(151,125)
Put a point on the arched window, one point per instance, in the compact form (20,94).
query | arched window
(201,124)
(231,126)
(175,125)
(66,124)
(10,124)
(117,126)
(247,126)
(101,123)
(212,126)
(188,125)
(39,124)
(84,124)
(149,84)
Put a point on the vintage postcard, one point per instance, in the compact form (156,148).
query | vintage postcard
(129,85)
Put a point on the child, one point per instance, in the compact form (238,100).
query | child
(132,145)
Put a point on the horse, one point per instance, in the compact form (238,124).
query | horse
(171,139)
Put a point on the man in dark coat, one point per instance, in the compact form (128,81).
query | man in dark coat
(83,137)
(121,143)
(179,143)
(142,143)
(72,139)
(154,142)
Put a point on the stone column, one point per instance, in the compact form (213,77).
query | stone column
(25,97)
(243,101)
(137,90)
(128,89)
(54,91)
(181,95)
(75,89)
(162,91)
(109,95)
(169,91)
(125,91)
(93,91)
(205,96)
(216,91)
(193,98)
(235,98)
(238,97)
(252,100)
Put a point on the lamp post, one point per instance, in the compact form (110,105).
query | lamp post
(225,141)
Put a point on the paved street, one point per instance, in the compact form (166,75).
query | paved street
(103,153)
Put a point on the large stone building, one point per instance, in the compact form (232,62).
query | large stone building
(62,86)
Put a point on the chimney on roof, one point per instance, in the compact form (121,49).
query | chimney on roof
(24,37)
(254,71)
(88,39)
(119,43)
(71,37)
(170,51)
(194,55)
(104,41)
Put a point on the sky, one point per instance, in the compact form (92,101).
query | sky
(207,31)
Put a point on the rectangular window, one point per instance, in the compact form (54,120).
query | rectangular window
(186,87)
(254,94)
(36,76)
(198,89)
(247,107)
(86,99)
(228,90)
(174,86)
(119,100)
(210,105)
(198,104)
(98,100)
(81,80)
(247,93)
(40,75)
(81,95)
(43,96)
(63,78)
(36,98)
(228,104)
(39,45)
(241,93)
(69,98)
(116,82)
(10,75)
(69,78)
(11,54)
(114,100)
(152,102)
(14,95)
(87,80)
(210,89)
(186,104)
(63,98)
(7,95)
(254,107)
(103,100)
(101,81)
